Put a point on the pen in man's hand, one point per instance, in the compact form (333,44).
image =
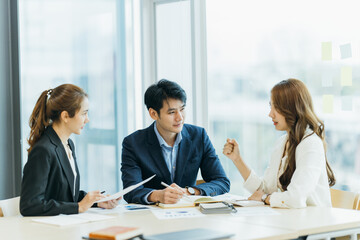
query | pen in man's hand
(166,185)
(102,192)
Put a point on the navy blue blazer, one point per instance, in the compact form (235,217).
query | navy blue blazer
(142,157)
(48,181)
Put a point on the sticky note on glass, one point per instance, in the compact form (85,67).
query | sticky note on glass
(346,103)
(326,51)
(328,103)
(345,51)
(346,76)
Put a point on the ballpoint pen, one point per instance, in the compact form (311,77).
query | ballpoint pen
(184,195)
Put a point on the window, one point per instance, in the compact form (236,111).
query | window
(173,46)
(252,45)
(85,43)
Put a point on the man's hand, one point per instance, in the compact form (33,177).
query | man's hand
(169,195)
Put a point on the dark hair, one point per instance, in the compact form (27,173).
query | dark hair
(162,90)
(292,99)
(50,105)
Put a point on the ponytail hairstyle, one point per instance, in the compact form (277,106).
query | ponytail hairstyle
(292,99)
(50,105)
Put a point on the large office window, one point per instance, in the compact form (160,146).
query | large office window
(83,43)
(173,46)
(253,45)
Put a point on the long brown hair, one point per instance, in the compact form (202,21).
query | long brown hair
(50,105)
(292,99)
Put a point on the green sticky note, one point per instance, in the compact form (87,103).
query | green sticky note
(326,51)
(328,103)
(346,76)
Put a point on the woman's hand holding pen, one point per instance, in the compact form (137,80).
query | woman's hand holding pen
(89,199)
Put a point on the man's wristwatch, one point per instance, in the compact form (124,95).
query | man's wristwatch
(263,198)
(191,190)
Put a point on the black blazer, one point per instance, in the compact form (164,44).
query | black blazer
(142,157)
(48,181)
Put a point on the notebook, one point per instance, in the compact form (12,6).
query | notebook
(189,201)
(247,203)
(116,233)
(217,208)
(193,234)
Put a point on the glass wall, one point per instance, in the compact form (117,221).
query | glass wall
(79,42)
(252,45)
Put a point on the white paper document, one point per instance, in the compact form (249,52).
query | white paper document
(66,220)
(60,220)
(125,191)
(238,200)
(254,211)
(164,214)
(228,197)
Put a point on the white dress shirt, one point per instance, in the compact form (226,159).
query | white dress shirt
(72,162)
(309,184)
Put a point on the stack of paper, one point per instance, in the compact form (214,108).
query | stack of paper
(66,220)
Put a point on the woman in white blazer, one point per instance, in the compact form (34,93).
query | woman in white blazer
(299,174)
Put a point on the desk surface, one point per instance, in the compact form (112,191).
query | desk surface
(290,224)
(310,220)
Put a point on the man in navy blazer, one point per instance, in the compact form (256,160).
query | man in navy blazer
(172,150)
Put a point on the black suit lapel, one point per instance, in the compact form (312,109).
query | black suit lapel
(62,157)
(156,154)
(64,161)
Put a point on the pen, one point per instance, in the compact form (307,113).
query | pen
(166,185)
(102,192)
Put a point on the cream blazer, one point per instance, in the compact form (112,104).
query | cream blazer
(309,184)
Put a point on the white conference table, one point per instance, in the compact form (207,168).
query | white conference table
(290,224)
(310,220)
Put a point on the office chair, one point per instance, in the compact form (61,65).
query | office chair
(344,199)
(9,207)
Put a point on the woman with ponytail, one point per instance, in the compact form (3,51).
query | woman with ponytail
(299,174)
(51,179)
